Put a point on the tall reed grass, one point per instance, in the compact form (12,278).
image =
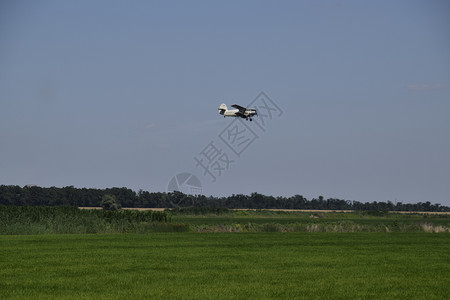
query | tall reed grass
(66,219)
(345,226)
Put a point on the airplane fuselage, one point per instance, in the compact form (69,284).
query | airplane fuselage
(241,112)
(233,113)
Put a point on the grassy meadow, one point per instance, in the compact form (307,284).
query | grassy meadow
(226,266)
(300,221)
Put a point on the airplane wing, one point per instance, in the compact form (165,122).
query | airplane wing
(241,114)
(241,109)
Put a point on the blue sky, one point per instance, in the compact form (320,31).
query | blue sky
(125,93)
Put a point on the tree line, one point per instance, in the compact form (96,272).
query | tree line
(89,197)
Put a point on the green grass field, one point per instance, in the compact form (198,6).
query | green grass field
(226,266)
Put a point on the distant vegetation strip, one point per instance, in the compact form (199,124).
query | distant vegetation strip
(16,220)
(84,197)
(66,219)
(336,226)
(284,210)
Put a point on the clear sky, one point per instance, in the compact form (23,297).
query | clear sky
(126,94)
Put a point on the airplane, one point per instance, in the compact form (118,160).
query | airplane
(239,111)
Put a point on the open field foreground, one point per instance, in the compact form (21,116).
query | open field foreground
(226,265)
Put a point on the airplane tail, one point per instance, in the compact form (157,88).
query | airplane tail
(222,108)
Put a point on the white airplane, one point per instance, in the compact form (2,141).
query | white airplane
(242,112)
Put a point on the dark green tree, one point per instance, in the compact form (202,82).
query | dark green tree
(109,202)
